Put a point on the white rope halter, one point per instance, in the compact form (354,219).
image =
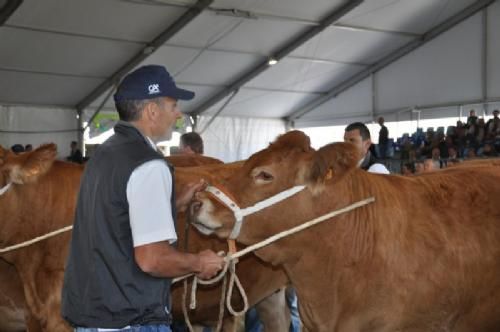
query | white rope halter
(6,188)
(240,213)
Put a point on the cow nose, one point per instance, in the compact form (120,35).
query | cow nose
(195,206)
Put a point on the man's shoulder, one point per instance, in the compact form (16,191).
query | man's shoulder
(378,168)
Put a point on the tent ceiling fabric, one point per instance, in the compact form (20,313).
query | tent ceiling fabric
(56,52)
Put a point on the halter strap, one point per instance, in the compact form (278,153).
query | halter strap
(240,213)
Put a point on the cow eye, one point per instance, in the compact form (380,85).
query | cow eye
(264,176)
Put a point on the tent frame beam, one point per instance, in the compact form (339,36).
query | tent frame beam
(392,57)
(282,52)
(8,9)
(145,52)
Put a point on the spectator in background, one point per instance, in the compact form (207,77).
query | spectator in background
(17,148)
(472,119)
(358,134)
(444,143)
(452,153)
(488,151)
(408,169)
(493,126)
(471,153)
(480,131)
(75,155)
(419,167)
(383,139)
(431,165)
(459,139)
(436,156)
(191,143)
(28,148)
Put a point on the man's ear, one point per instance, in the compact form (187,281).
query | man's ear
(366,145)
(333,161)
(149,111)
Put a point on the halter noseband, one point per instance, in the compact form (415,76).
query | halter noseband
(240,213)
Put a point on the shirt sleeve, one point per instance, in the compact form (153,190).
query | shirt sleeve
(149,190)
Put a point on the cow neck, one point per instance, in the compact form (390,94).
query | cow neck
(239,213)
(5,188)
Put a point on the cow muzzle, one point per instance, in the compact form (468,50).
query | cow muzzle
(201,215)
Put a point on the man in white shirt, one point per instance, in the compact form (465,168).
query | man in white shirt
(358,134)
(122,256)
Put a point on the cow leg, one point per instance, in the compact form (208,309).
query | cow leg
(32,324)
(274,312)
(48,310)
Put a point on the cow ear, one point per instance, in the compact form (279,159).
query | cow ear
(333,161)
(31,165)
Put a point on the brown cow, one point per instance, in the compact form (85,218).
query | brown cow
(257,286)
(43,199)
(425,256)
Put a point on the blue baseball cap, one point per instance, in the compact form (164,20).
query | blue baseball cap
(150,82)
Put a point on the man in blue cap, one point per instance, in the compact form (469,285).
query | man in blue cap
(121,256)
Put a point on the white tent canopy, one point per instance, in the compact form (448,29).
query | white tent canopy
(339,60)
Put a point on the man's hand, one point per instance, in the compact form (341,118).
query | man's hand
(210,264)
(185,197)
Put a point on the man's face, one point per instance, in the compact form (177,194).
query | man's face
(495,114)
(428,165)
(354,136)
(165,117)
(436,153)
(419,168)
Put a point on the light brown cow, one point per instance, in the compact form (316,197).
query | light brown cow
(425,256)
(259,279)
(43,199)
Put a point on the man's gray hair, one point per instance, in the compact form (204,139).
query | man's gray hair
(130,110)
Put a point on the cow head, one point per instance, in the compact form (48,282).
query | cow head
(288,162)
(26,167)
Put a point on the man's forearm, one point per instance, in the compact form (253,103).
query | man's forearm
(162,260)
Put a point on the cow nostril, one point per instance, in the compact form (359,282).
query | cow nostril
(196,206)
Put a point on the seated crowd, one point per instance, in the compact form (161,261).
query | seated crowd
(423,152)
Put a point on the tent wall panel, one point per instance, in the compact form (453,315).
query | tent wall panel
(446,69)
(36,126)
(354,104)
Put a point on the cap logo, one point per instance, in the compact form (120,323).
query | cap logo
(154,88)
